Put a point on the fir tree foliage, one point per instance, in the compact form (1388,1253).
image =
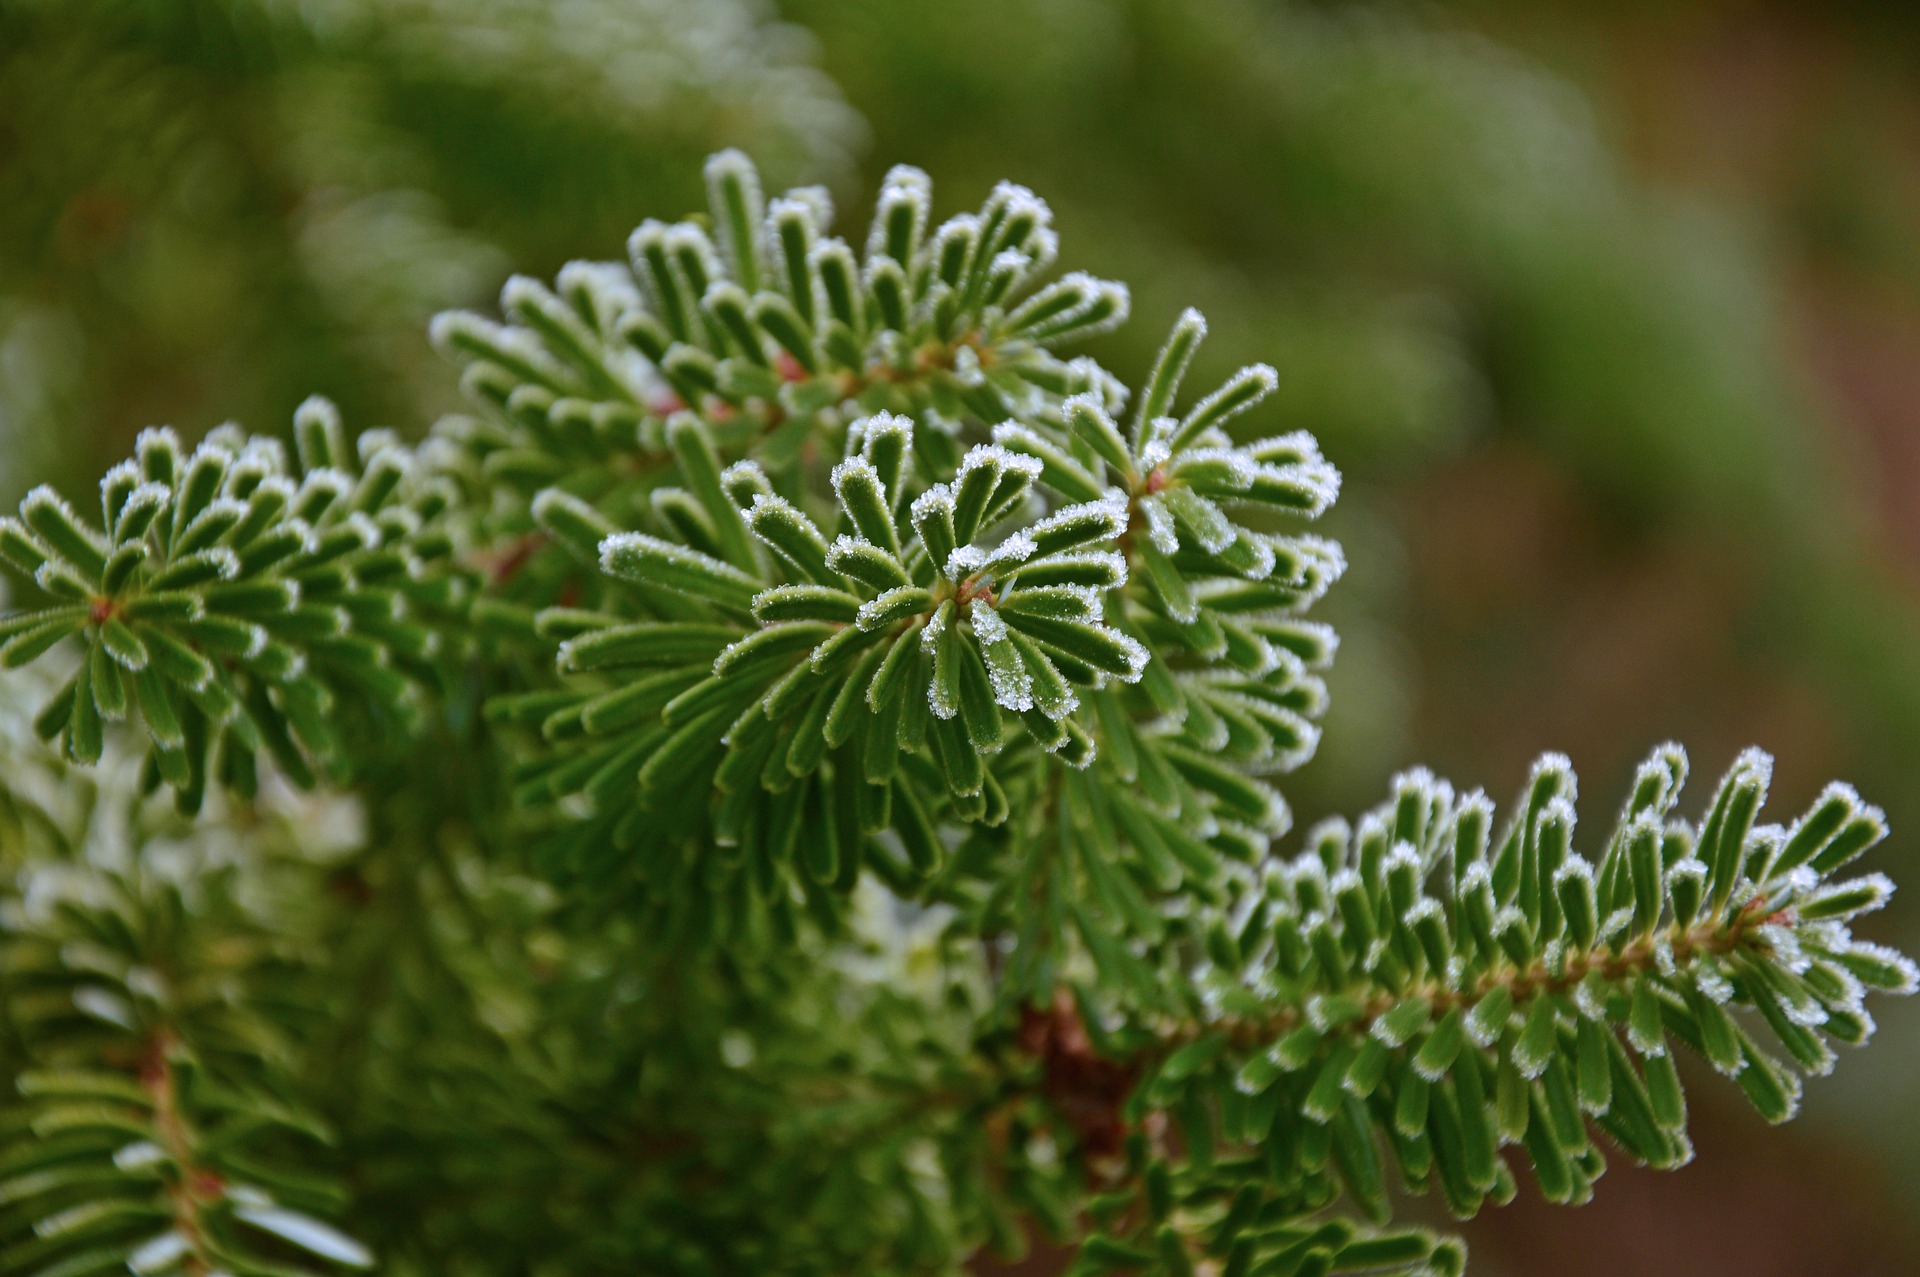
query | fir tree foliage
(156,1128)
(230,598)
(817,608)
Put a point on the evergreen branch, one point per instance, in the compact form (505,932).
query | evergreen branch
(156,1135)
(823,610)
(1414,986)
(235,603)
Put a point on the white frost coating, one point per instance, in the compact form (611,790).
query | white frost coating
(163,437)
(1160,431)
(1019,201)
(930,633)
(124,473)
(522,292)
(1155,453)
(1712,981)
(625,543)
(1320,481)
(1880,887)
(401,519)
(938,497)
(988,626)
(276,484)
(847,545)
(1574,866)
(1907,975)
(904,184)
(1590,998)
(264,451)
(1758,764)
(1785,945)
(1235,467)
(226,564)
(1135,655)
(1663,957)
(1559,811)
(1110,508)
(609,285)
(1215,531)
(767,509)
(335,483)
(1616,923)
(881,424)
(219,508)
(1529,1060)
(1010,263)
(1016,437)
(1561,765)
(1017,548)
(1111,565)
(744,475)
(686,235)
(1403,854)
(1012,685)
(1160,526)
(799,205)
(1292,448)
(967,224)
(363,527)
(212,453)
(1000,457)
(880,609)
(1689,867)
(1476,877)
(937,699)
(1422,909)
(966,367)
(853,466)
(1044,248)
(965,561)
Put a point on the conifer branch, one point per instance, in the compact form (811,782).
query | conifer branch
(153,1133)
(827,628)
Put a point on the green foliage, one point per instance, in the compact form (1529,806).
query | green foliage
(146,1032)
(1414,993)
(230,601)
(822,747)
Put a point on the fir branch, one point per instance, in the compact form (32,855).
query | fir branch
(1415,987)
(157,1132)
(230,601)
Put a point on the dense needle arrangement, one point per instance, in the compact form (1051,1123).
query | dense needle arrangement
(788,782)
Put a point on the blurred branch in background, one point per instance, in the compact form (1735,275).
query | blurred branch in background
(240,202)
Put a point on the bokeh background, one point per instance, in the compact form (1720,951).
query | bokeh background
(1610,313)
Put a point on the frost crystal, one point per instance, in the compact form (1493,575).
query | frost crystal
(1710,980)
(938,497)
(1016,549)
(1232,466)
(965,561)
(1000,457)
(881,424)
(851,466)
(1160,527)
(1012,684)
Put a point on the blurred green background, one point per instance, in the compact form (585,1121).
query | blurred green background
(1610,313)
